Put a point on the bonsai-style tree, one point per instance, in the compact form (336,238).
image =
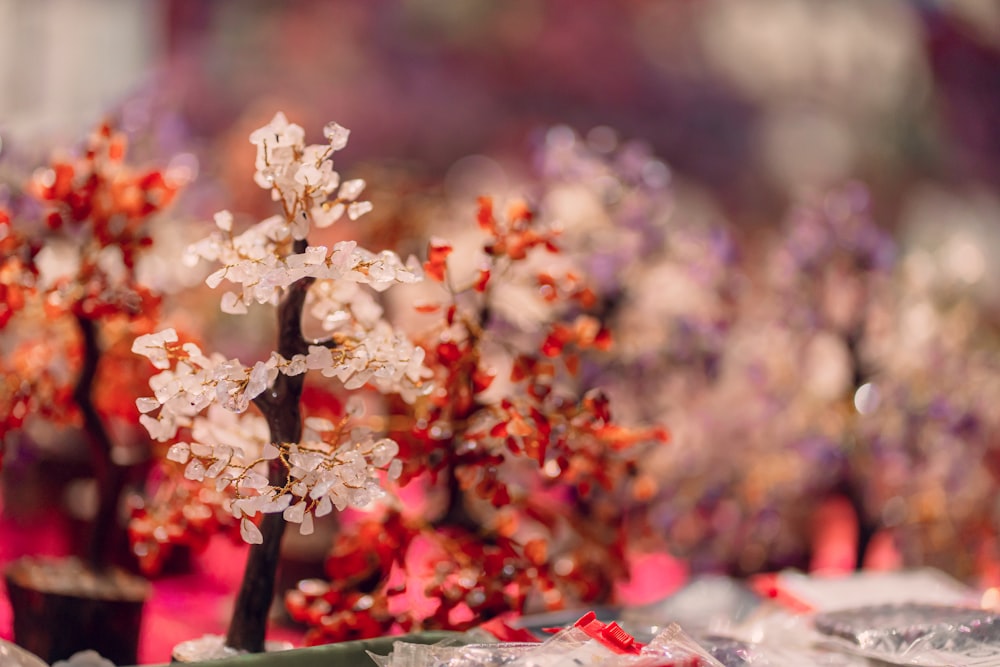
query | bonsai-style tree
(731,337)
(927,428)
(782,336)
(242,426)
(528,481)
(71,302)
(96,224)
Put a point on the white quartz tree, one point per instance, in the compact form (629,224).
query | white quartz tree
(282,465)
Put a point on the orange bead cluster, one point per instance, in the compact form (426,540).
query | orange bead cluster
(539,460)
(98,208)
(101,202)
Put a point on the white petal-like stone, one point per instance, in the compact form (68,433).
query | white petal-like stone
(306,527)
(179,452)
(250,532)
(295,513)
(216,277)
(350,190)
(336,134)
(146,404)
(232,304)
(195,471)
(224,220)
(253,480)
(324,507)
(358,209)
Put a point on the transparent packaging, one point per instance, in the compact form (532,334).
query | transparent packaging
(916,634)
(588,642)
(405,654)
(774,637)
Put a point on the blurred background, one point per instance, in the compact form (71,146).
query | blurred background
(828,173)
(752,101)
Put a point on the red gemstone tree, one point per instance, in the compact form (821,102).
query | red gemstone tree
(96,223)
(528,482)
(70,304)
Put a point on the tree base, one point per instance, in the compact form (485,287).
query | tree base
(62,607)
(213,647)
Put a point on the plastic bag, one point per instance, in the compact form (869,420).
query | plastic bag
(589,641)
(916,634)
(705,604)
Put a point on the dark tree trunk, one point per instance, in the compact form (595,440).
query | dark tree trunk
(852,485)
(110,477)
(280,407)
(248,626)
(456,514)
